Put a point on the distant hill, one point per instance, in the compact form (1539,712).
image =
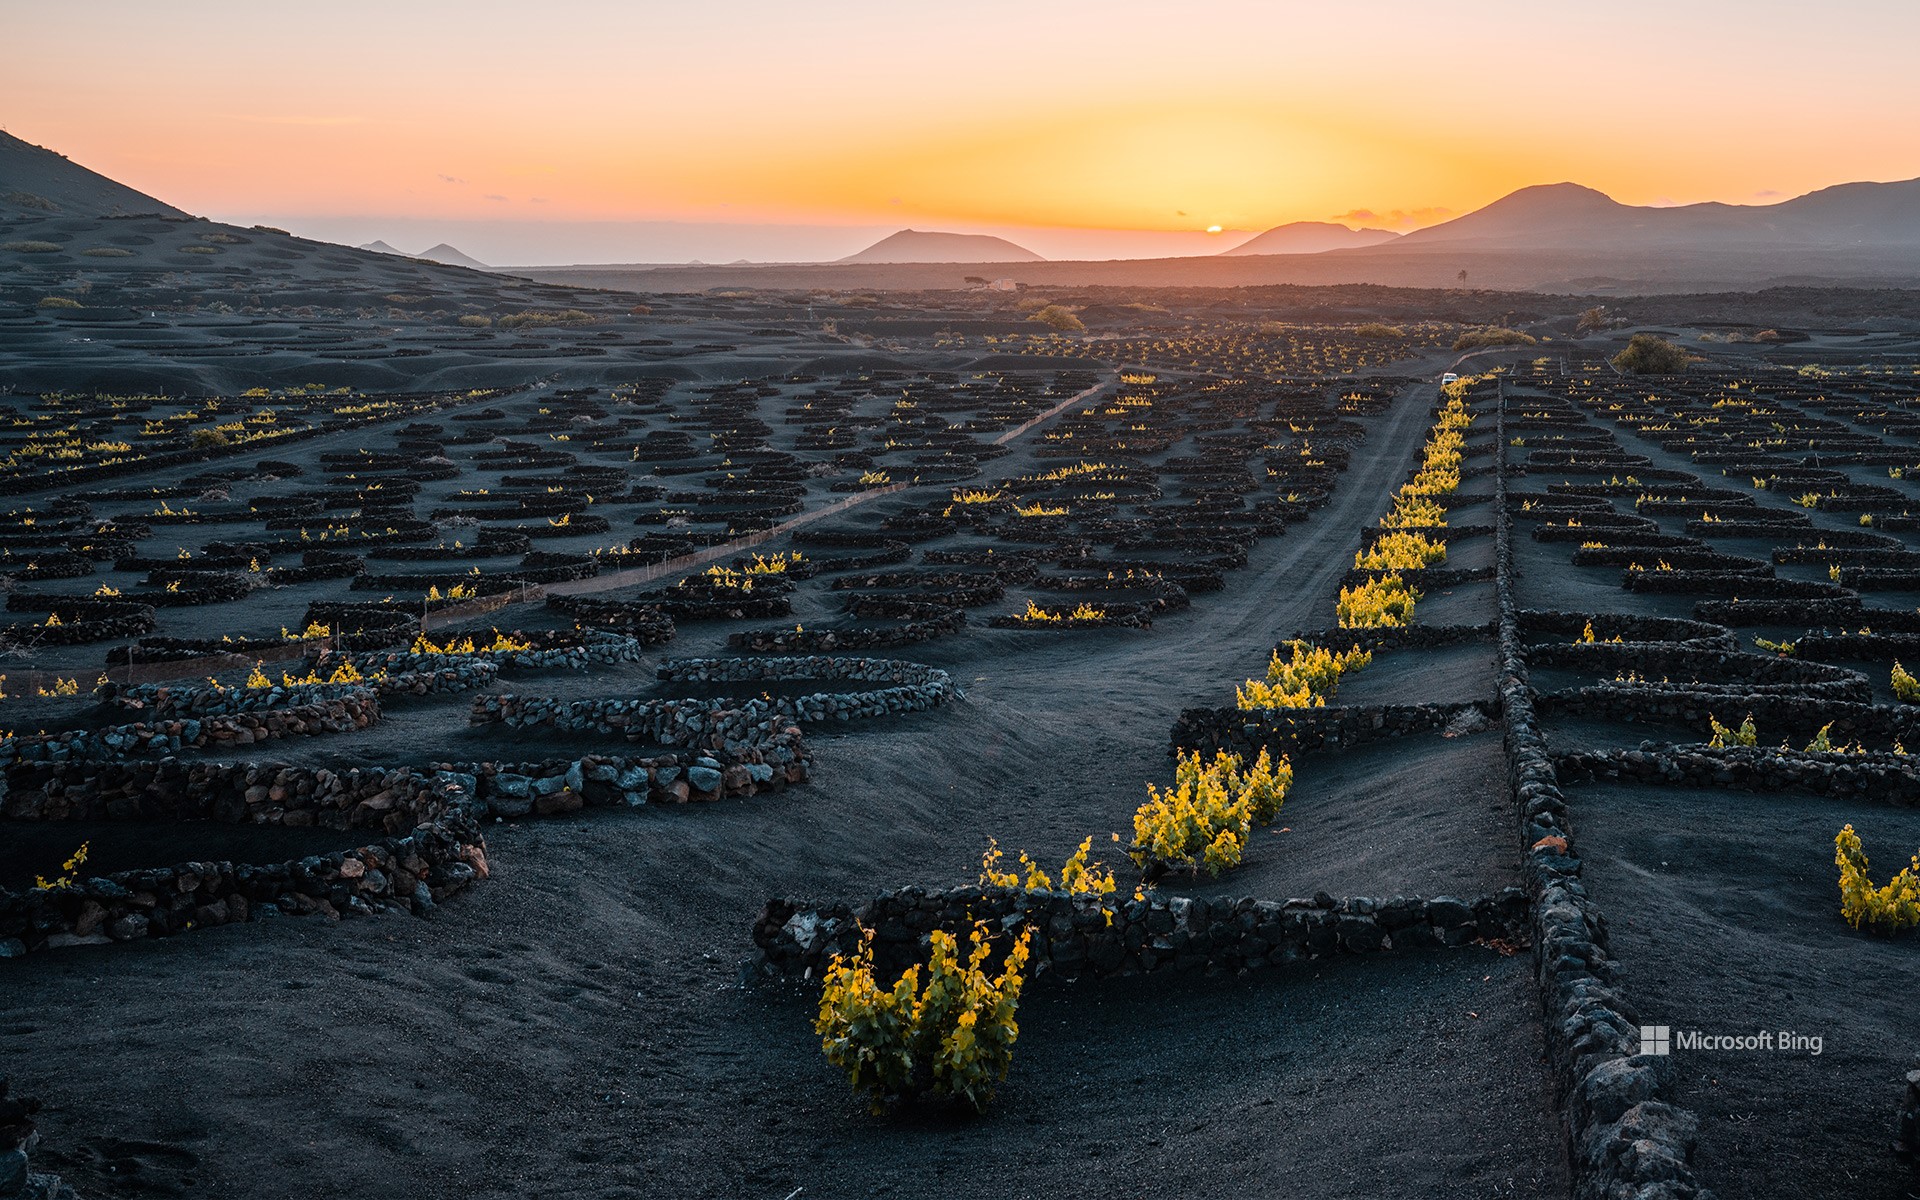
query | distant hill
(917,246)
(379,247)
(1311,237)
(38,182)
(444,253)
(1567,216)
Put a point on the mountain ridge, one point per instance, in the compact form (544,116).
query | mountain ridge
(1571,216)
(36,181)
(932,246)
(1311,237)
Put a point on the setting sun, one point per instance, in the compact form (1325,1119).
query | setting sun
(995,118)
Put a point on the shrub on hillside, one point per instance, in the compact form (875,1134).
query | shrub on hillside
(1376,329)
(1593,320)
(1905,687)
(1077,875)
(537,319)
(1204,820)
(953,1037)
(1650,354)
(1492,335)
(58,302)
(1304,679)
(1058,316)
(107,252)
(31,247)
(1382,603)
(1888,909)
(476,321)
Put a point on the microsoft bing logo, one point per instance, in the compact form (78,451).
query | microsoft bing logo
(1663,1040)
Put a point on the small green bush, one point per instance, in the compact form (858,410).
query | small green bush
(949,1037)
(106,252)
(1492,335)
(1650,354)
(58,302)
(29,200)
(536,319)
(1377,329)
(198,250)
(32,247)
(1058,316)
(476,321)
(1888,908)
(1593,320)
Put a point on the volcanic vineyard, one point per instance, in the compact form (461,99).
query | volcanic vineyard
(335,610)
(454,636)
(313,600)
(1727,735)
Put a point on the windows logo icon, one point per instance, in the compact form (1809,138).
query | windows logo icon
(1656,1039)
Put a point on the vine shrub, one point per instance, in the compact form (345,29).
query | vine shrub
(69,871)
(1746,735)
(1205,818)
(502,644)
(1905,686)
(1887,909)
(952,1037)
(1416,512)
(1077,875)
(1400,551)
(1307,679)
(1386,602)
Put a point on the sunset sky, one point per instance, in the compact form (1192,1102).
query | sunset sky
(633,130)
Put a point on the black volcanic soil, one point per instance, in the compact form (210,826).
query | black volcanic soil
(578,1025)
(1722,907)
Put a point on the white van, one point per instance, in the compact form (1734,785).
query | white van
(1448,378)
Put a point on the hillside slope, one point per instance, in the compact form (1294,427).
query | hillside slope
(37,182)
(1311,237)
(926,246)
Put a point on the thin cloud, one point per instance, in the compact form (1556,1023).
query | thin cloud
(1767,194)
(491,196)
(308,121)
(453,179)
(1394,217)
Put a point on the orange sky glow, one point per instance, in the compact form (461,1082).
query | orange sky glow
(1113,125)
